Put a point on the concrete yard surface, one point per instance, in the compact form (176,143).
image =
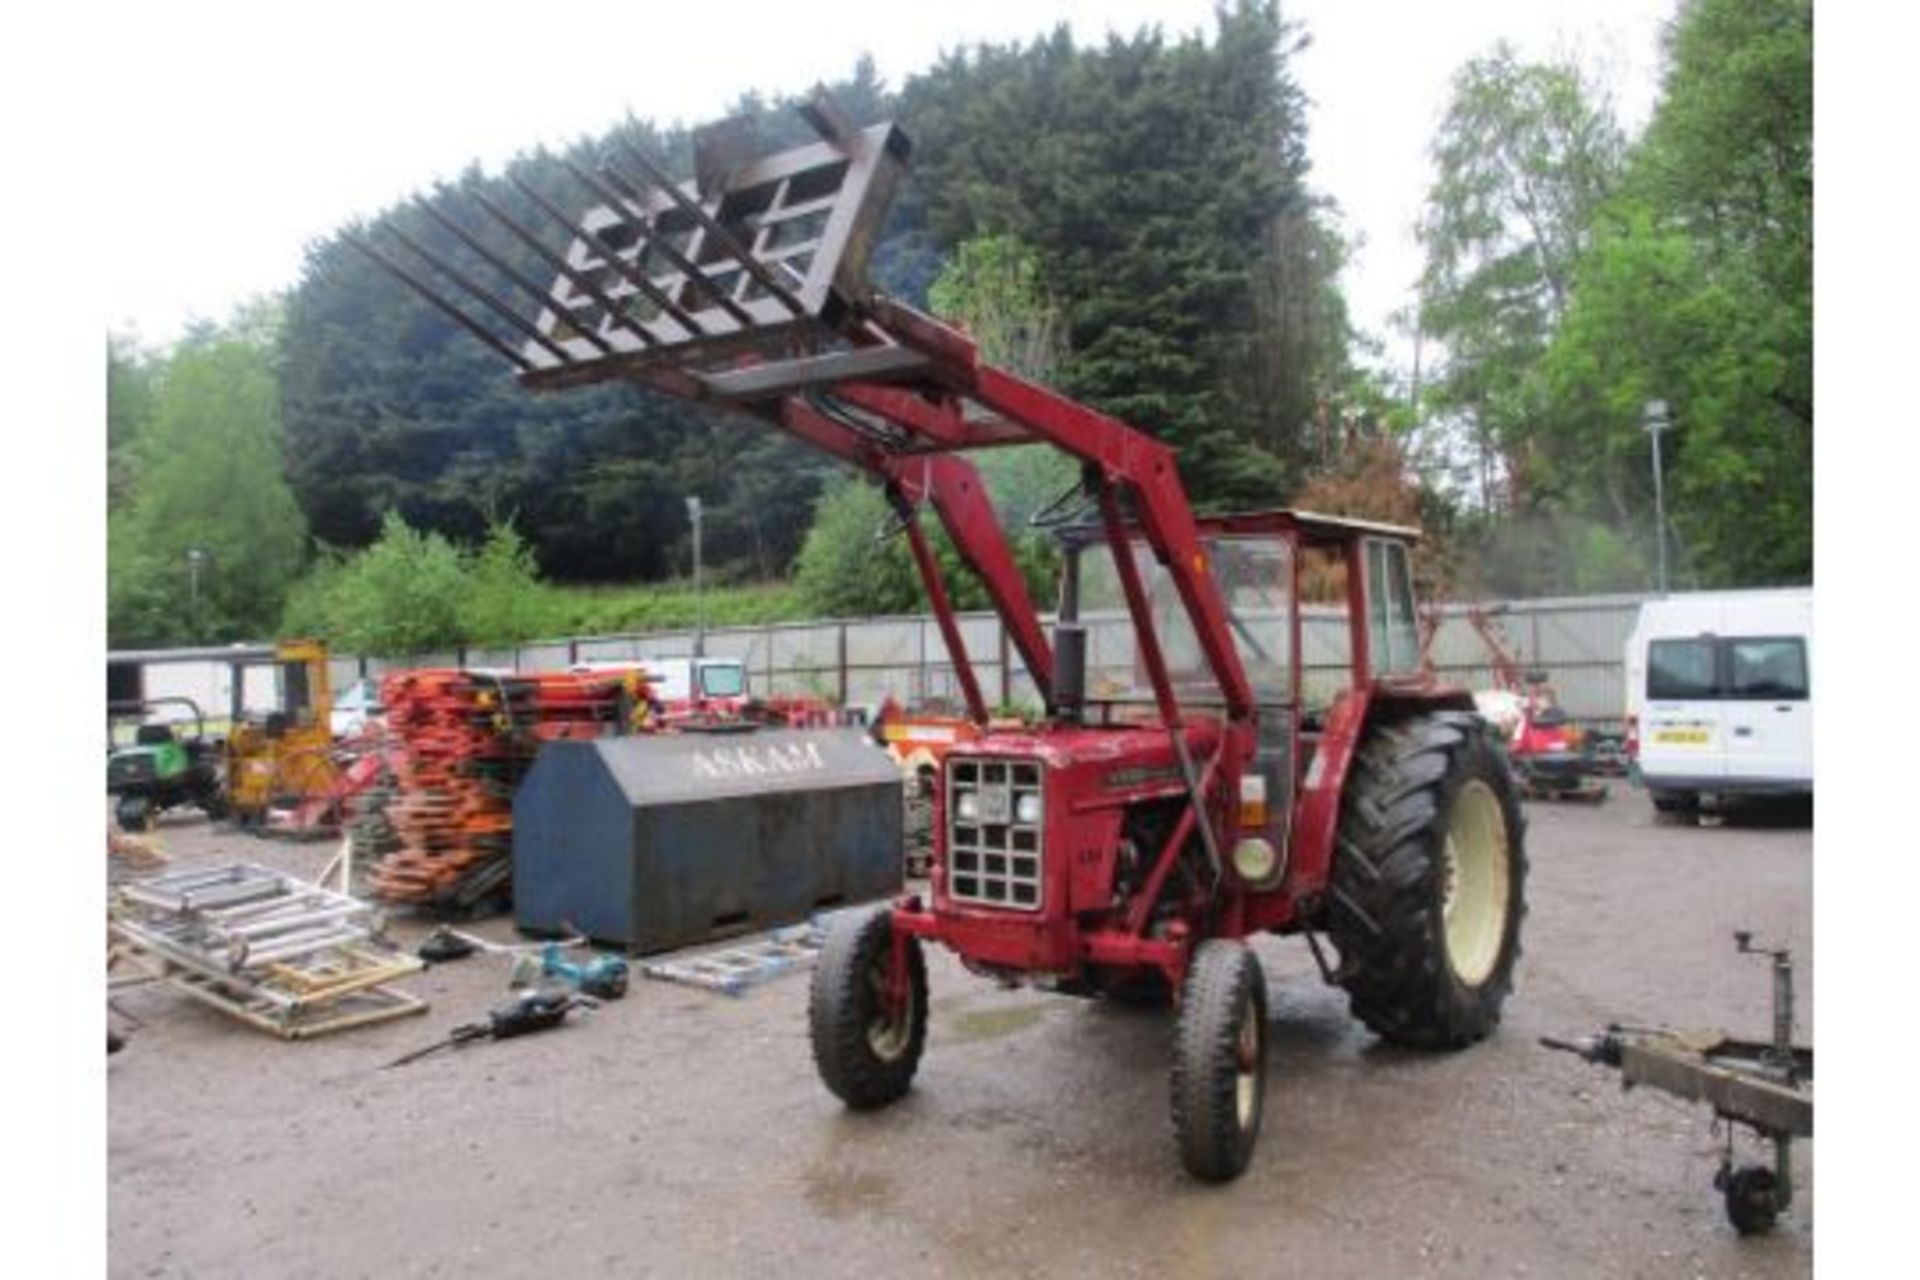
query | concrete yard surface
(685,1133)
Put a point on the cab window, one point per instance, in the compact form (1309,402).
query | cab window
(296,699)
(724,681)
(1393,639)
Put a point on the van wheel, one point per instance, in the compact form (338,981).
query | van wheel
(1676,808)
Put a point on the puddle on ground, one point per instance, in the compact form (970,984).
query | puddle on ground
(992,1024)
(838,1194)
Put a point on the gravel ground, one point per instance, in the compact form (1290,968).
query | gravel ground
(684,1133)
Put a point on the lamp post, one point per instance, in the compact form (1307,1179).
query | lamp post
(1656,421)
(196,556)
(699,594)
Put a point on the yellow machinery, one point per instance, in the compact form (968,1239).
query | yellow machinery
(284,756)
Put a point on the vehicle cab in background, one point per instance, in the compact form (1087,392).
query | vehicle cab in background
(689,690)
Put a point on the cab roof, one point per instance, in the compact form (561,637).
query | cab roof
(1313,527)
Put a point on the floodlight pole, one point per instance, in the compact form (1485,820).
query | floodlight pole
(196,557)
(699,593)
(1656,421)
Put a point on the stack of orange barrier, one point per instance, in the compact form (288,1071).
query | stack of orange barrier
(468,739)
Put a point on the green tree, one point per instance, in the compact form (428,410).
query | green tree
(1159,184)
(994,287)
(1156,181)
(855,561)
(1698,291)
(846,568)
(407,593)
(392,407)
(1523,158)
(210,491)
(133,388)
(505,600)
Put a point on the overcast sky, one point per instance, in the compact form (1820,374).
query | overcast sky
(246,133)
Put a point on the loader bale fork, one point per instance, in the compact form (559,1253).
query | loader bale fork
(1168,803)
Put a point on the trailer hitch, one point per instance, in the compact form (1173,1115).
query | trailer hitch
(1761,1085)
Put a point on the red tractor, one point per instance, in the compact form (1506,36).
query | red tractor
(1167,805)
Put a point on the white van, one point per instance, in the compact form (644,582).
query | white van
(1720,696)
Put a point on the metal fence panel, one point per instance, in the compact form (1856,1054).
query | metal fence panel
(885,642)
(981,634)
(612,649)
(543,657)
(805,649)
(871,686)
(1577,642)
(664,644)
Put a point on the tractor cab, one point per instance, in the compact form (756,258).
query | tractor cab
(280,749)
(1310,669)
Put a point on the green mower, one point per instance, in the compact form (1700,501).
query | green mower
(161,770)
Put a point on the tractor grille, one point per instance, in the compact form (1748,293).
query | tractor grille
(994,858)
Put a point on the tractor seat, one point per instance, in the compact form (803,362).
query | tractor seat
(153,735)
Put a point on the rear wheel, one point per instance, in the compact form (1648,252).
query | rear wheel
(1220,1061)
(1429,877)
(866,1051)
(134,813)
(213,802)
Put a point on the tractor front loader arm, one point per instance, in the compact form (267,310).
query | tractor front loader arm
(953,486)
(746,289)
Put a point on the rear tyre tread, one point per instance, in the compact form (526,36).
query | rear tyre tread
(1385,900)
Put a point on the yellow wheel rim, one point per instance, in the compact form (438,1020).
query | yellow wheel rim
(1477,888)
(887,1037)
(1246,1064)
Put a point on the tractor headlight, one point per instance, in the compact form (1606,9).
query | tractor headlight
(968,807)
(1257,862)
(1026,809)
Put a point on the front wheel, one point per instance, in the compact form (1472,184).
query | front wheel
(1220,1061)
(867,1039)
(1752,1197)
(1429,878)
